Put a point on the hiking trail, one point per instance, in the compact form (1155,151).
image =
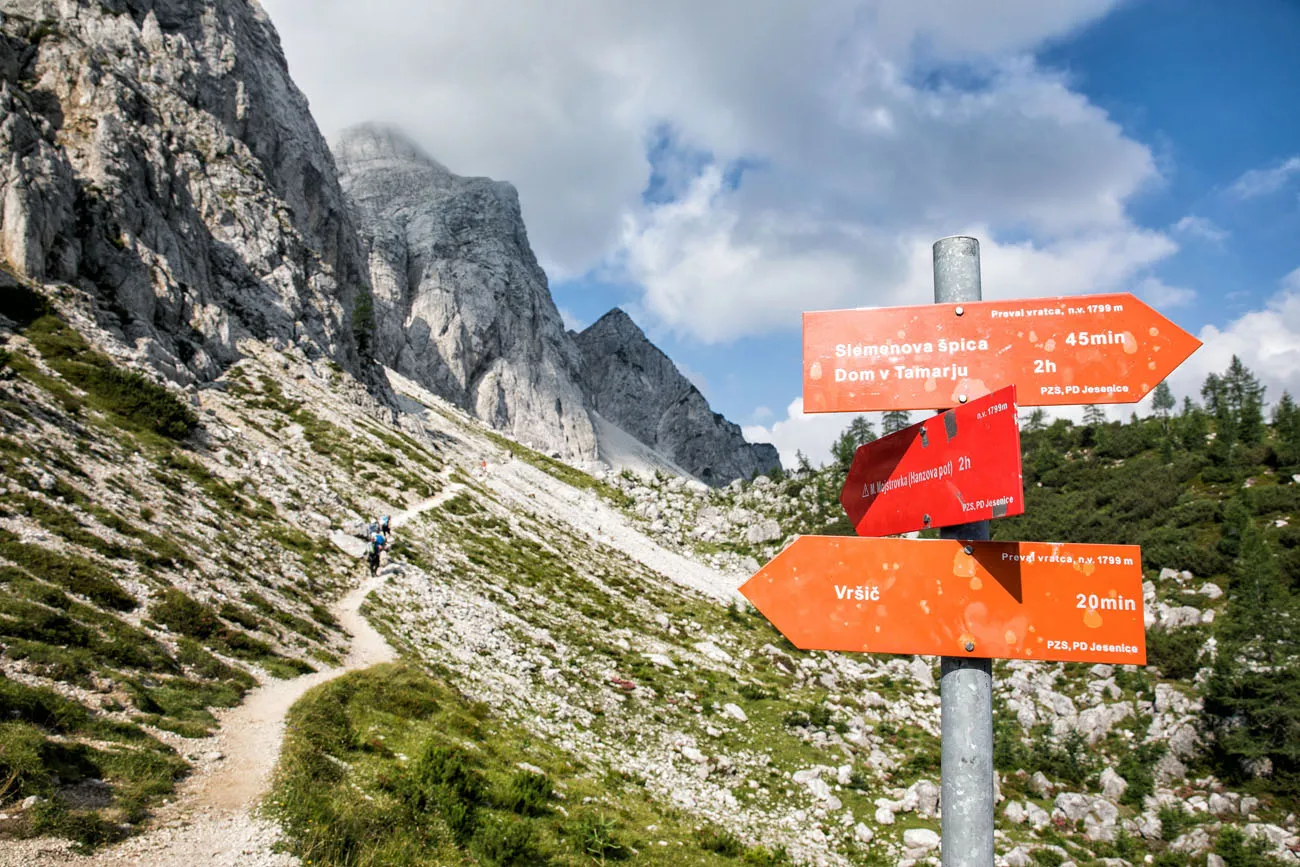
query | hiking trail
(212,817)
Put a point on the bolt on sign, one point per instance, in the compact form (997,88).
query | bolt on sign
(944,597)
(957,467)
(1086,349)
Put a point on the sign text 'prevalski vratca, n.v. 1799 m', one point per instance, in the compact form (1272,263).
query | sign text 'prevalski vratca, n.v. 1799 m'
(1088,349)
(957,467)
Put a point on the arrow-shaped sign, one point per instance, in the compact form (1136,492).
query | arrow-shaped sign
(958,467)
(1058,351)
(942,597)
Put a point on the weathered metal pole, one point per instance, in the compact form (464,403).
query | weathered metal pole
(965,685)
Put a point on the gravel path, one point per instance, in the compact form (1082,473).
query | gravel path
(212,820)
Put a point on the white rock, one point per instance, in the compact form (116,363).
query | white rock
(735,712)
(1018,857)
(1210,590)
(862,833)
(1037,816)
(1015,813)
(922,672)
(1112,784)
(1192,842)
(712,651)
(920,838)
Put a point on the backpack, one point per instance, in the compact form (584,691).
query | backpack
(380,541)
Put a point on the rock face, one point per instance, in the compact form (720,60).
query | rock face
(157,153)
(629,381)
(462,307)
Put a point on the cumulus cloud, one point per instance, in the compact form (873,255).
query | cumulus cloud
(1261,182)
(1201,227)
(809,433)
(864,126)
(1162,296)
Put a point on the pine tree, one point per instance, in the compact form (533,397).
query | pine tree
(1163,400)
(1094,415)
(1035,421)
(1286,421)
(1241,387)
(1212,392)
(859,431)
(801,461)
(1253,696)
(1250,421)
(895,420)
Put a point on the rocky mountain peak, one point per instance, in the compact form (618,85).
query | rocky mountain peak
(376,146)
(462,307)
(632,383)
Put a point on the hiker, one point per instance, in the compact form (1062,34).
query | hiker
(385,525)
(377,543)
(373,529)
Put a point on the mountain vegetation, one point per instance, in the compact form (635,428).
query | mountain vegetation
(578,683)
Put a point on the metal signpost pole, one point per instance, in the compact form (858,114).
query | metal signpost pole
(965,685)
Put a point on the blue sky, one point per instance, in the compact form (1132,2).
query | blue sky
(715,169)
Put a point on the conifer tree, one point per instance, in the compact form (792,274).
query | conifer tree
(859,431)
(895,420)
(1035,421)
(1162,401)
(1094,415)
(1253,696)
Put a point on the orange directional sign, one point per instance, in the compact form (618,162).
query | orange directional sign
(1003,600)
(960,466)
(1057,351)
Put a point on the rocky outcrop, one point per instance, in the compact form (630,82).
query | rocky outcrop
(630,382)
(157,153)
(462,307)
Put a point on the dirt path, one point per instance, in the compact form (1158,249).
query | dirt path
(212,820)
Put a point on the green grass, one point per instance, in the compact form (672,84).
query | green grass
(71,571)
(390,766)
(39,755)
(132,399)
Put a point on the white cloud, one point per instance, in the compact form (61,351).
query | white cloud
(856,156)
(1261,182)
(1162,296)
(811,434)
(571,321)
(1201,227)
(1267,341)
(761,413)
(1291,282)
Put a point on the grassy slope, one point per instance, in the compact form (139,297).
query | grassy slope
(147,575)
(405,763)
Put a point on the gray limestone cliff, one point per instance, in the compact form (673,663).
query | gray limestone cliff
(461,305)
(157,154)
(631,383)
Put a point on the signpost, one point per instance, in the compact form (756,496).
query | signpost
(941,597)
(1059,351)
(960,466)
(962,597)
